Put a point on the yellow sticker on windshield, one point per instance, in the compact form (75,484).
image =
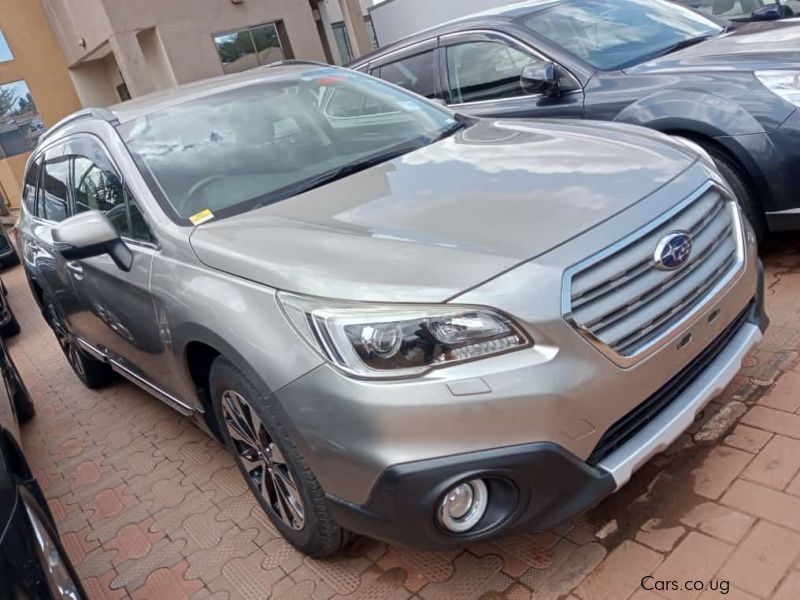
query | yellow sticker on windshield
(201,217)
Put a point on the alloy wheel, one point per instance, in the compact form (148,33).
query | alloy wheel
(66,341)
(262,460)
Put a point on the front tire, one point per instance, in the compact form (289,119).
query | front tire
(270,463)
(94,374)
(743,191)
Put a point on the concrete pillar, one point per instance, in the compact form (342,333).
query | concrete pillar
(325,18)
(132,64)
(356,29)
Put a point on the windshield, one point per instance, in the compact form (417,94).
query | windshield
(266,141)
(613,34)
(739,9)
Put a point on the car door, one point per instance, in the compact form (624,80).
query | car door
(415,68)
(116,314)
(50,204)
(481,76)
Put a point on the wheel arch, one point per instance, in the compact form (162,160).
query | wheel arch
(707,119)
(199,348)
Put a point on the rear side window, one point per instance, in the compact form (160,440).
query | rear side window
(53,199)
(415,73)
(29,187)
(485,71)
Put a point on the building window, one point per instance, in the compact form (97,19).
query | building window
(342,42)
(373,37)
(343,39)
(247,48)
(5,51)
(20,123)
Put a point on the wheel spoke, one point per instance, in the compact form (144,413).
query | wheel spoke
(280,498)
(276,455)
(251,464)
(235,431)
(238,425)
(262,460)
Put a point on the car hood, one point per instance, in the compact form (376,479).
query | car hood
(751,46)
(435,222)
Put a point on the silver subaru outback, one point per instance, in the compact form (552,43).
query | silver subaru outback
(405,323)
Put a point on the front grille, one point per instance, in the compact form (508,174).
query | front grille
(629,425)
(624,303)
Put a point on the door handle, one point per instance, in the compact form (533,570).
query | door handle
(76,268)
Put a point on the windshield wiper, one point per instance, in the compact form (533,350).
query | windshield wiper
(338,173)
(681,45)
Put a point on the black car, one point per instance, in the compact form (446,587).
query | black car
(33,564)
(746,10)
(734,89)
(9,326)
(8,255)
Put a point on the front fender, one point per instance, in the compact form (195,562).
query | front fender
(700,115)
(687,110)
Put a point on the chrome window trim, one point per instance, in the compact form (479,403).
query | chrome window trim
(137,379)
(526,47)
(731,277)
(381,58)
(99,141)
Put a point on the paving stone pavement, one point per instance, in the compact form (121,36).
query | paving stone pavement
(150,508)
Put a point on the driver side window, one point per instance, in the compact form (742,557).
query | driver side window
(485,71)
(96,185)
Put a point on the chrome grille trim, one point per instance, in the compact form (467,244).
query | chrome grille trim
(716,266)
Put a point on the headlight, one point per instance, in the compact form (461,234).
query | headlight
(784,83)
(381,341)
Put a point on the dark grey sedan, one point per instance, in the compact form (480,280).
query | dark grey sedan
(732,88)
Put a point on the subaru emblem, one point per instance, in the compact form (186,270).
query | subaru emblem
(673,251)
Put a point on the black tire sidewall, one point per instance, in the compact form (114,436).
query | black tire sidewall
(96,374)
(312,539)
(743,191)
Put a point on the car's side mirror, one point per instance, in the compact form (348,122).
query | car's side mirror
(540,78)
(770,12)
(90,234)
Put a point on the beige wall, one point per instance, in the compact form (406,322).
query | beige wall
(39,61)
(184,29)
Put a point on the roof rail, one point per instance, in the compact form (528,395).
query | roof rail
(102,114)
(299,61)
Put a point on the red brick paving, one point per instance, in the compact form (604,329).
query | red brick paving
(150,508)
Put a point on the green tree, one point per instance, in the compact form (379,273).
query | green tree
(8,98)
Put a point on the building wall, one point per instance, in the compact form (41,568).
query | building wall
(185,30)
(39,61)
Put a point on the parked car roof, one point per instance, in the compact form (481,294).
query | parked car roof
(156,101)
(484,18)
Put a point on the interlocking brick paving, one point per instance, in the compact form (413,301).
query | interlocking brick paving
(150,508)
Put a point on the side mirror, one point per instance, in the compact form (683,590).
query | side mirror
(540,78)
(91,234)
(770,12)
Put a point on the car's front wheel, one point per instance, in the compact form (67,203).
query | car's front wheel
(743,190)
(273,468)
(94,374)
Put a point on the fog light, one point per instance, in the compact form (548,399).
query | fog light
(463,506)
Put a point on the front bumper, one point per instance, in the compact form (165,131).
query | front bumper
(537,486)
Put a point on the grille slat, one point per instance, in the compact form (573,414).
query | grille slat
(626,303)
(642,267)
(658,284)
(633,422)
